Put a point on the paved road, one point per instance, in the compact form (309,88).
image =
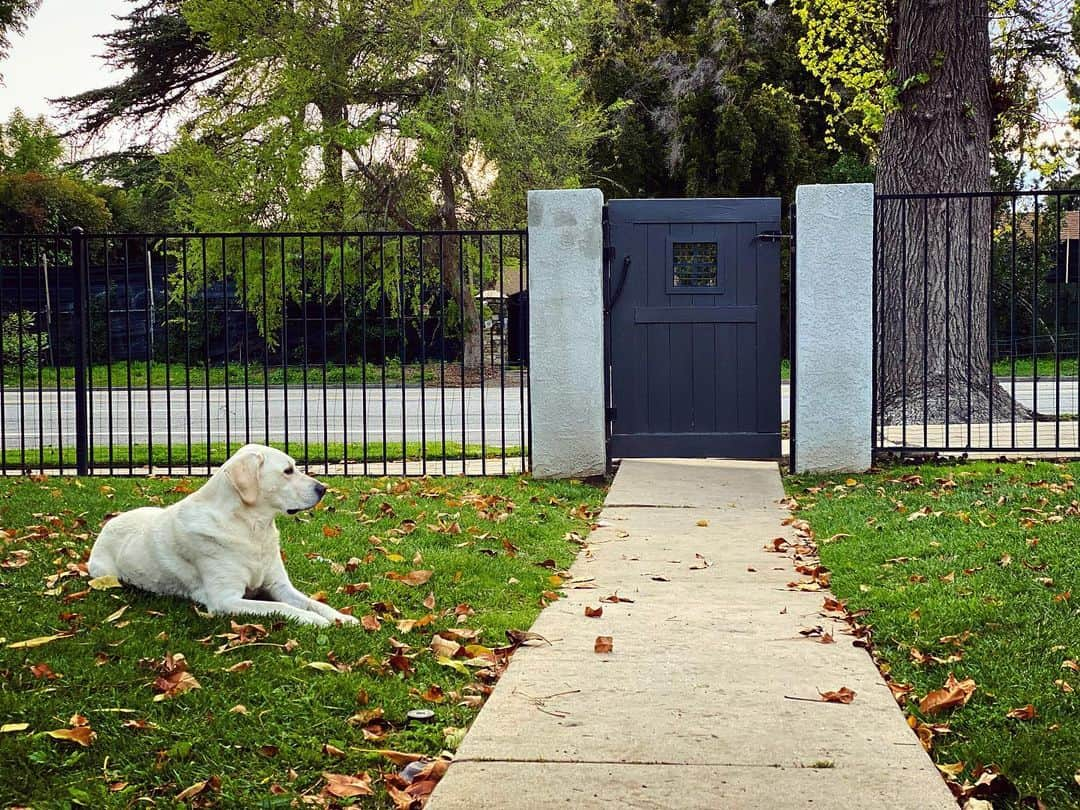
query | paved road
(487,415)
(480,415)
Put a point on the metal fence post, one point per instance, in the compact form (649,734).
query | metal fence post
(80,331)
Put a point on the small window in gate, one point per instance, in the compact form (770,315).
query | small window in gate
(695,264)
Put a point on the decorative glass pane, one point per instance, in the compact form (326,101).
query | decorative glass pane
(695,264)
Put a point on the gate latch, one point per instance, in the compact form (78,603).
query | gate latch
(772,236)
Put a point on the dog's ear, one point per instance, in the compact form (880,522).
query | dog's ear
(243,473)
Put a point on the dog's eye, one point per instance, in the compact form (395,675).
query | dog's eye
(290,471)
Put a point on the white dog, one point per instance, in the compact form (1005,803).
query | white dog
(219,544)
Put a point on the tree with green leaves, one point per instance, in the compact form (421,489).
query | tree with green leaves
(331,114)
(706,99)
(945,93)
(29,145)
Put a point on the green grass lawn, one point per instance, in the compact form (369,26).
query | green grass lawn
(493,546)
(978,563)
(1047,367)
(140,455)
(177,376)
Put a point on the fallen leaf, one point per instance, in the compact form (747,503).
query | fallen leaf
(11,728)
(954,693)
(952,770)
(112,617)
(104,583)
(332,751)
(192,791)
(413,579)
(344,786)
(615,598)
(399,758)
(370,622)
(594,612)
(37,642)
(603,644)
(841,695)
(1027,712)
(82,735)
(703,523)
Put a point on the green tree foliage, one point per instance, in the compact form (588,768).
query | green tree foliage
(37,203)
(29,145)
(848,46)
(330,114)
(706,98)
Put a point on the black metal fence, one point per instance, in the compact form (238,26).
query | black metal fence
(358,353)
(977,322)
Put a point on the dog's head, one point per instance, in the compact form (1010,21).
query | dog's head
(268,480)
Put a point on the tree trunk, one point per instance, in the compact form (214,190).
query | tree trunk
(460,292)
(333,115)
(934,254)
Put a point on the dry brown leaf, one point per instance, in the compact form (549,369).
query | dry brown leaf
(413,579)
(399,758)
(594,612)
(841,695)
(603,644)
(1027,712)
(954,693)
(344,786)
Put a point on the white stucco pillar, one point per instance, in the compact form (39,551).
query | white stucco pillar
(834,327)
(566,332)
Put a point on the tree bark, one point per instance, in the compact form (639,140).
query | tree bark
(460,289)
(332,112)
(934,253)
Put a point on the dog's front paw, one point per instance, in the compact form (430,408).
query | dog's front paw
(316,620)
(345,618)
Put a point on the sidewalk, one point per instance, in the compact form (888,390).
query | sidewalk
(689,709)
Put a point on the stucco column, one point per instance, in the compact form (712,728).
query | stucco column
(834,327)
(566,333)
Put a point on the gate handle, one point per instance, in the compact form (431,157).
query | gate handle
(622,283)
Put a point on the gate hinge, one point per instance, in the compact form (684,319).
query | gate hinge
(773,236)
(611,414)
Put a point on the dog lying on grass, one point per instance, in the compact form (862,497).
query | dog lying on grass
(219,546)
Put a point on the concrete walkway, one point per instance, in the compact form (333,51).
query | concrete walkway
(690,709)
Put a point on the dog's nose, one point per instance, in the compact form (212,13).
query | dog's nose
(320,490)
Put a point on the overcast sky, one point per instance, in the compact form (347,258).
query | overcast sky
(57,56)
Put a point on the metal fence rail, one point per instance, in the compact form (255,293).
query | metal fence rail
(977,322)
(358,353)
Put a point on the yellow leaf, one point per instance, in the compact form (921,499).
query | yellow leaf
(37,642)
(116,615)
(188,792)
(104,583)
(953,770)
(703,523)
(322,666)
(9,728)
(82,735)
